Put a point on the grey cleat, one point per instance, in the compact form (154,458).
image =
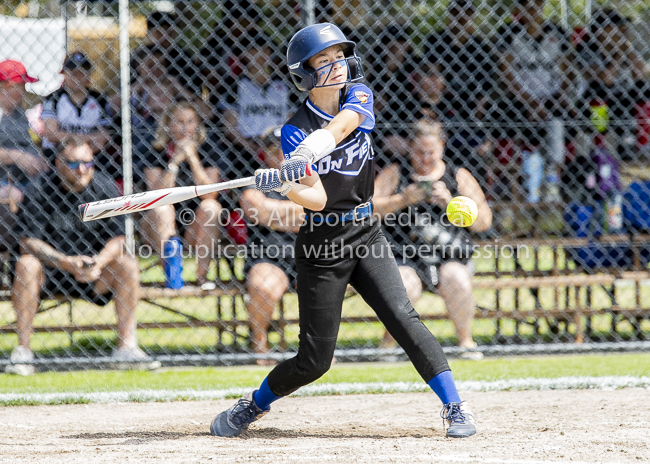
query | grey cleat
(460,420)
(236,420)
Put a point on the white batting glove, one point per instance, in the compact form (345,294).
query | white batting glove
(268,180)
(303,152)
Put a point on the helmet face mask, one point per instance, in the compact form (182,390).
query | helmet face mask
(310,41)
(352,65)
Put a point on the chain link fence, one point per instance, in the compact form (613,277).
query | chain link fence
(544,105)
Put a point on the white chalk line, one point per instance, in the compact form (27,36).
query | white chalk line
(429,458)
(561,383)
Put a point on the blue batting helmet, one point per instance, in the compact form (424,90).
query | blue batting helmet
(312,40)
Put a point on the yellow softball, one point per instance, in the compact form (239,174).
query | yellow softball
(462,211)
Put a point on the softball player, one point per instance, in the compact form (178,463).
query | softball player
(340,242)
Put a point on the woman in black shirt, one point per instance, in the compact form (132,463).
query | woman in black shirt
(178,158)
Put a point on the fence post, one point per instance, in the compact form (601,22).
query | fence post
(125,89)
(307,12)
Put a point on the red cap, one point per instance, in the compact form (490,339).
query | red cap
(14,71)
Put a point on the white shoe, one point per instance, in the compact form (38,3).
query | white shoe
(126,358)
(20,359)
(21,355)
(471,353)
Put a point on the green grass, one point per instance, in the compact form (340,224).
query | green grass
(636,365)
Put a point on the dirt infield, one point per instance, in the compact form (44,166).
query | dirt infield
(515,427)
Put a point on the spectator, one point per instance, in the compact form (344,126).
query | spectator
(270,269)
(179,157)
(151,95)
(428,88)
(60,254)
(162,35)
(418,198)
(20,159)
(211,81)
(425,89)
(391,69)
(77,110)
(467,62)
(19,156)
(535,67)
(615,85)
(155,89)
(225,45)
(255,100)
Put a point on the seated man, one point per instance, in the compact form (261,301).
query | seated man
(61,254)
(429,250)
(270,269)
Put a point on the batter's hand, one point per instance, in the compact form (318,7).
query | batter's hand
(268,180)
(305,153)
(294,169)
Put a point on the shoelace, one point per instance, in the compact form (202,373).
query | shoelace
(243,413)
(452,413)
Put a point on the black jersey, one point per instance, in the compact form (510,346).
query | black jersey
(425,226)
(49,213)
(347,173)
(154,158)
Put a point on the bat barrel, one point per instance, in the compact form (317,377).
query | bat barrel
(82,211)
(148,200)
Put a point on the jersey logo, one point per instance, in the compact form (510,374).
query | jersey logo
(348,159)
(362,96)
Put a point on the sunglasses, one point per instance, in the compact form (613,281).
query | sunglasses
(75,165)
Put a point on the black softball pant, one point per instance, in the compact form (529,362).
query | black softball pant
(328,257)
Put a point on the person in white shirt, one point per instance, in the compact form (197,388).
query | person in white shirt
(255,100)
(76,109)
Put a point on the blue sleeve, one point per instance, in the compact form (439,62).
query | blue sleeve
(360,100)
(290,138)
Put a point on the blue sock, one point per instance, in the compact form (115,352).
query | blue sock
(444,386)
(264,396)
